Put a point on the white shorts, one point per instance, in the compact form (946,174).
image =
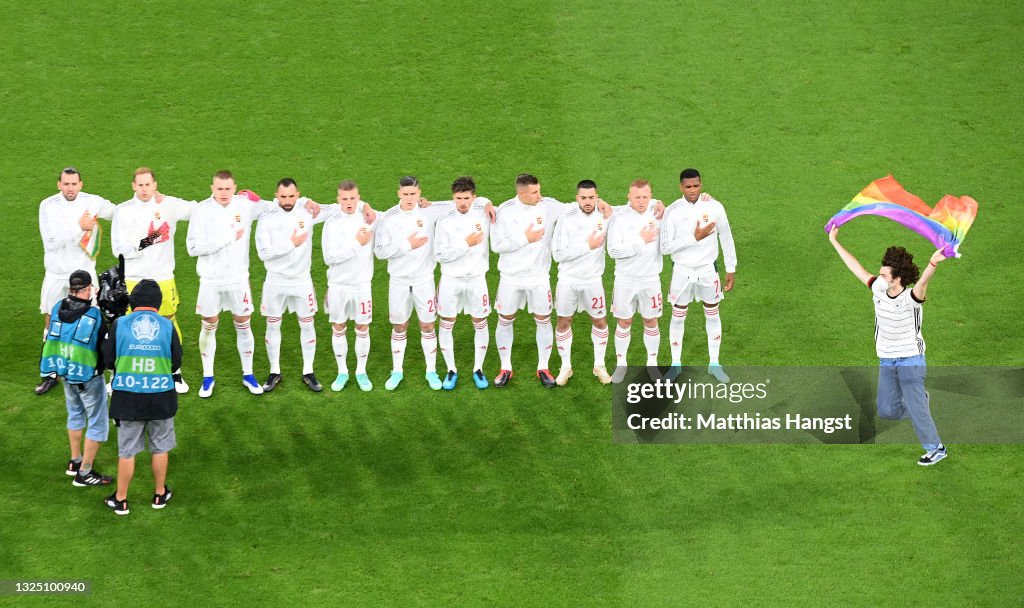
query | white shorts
(513,297)
(344,303)
(55,289)
(214,299)
(686,287)
(279,299)
(630,299)
(463,295)
(403,297)
(572,297)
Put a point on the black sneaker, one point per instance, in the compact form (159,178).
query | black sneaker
(546,380)
(311,381)
(160,500)
(932,456)
(72,469)
(120,507)
(502,378)
(92,478)
(272,381)
(46,384)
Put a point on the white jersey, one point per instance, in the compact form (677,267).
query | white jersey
(223,258)
(61,234)
(635,260)
(519,260)
(349,263)
(133,221)
(897,322)
(287,264)
(391,242)
(459,260)
(577,262)
(678,224)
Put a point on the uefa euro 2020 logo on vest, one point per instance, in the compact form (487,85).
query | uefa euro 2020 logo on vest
(145,329)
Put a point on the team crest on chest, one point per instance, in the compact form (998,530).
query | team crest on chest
(302,224)
(540,220)
(419,223)
(600,226)
(705,218)
(156,215)
(238,218)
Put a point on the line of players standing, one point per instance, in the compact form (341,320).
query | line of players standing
(527,232)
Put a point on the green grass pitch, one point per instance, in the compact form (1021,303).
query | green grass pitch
(518,497)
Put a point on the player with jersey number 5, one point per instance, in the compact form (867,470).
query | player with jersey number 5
(284,242)
(694,226)
(898,340)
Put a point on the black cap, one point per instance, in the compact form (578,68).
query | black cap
(146,294)
(80,279)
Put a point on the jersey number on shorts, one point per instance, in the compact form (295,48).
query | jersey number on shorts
(597,303)
(366,307)
(656,301)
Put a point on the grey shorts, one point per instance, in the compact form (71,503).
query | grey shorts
(130,439)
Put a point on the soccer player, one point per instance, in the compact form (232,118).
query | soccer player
(283,243)
(143,232)
(348,251)
(405,238)
(218,235)
(462,250)
(578,247)
(633,243)
(71,235)
(691,231)
(898,340)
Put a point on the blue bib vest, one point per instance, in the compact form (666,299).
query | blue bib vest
(143,359)
(70,349)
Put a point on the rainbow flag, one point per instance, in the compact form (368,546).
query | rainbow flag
(90,242)
(945,226)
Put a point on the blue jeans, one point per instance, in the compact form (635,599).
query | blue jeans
(901,395)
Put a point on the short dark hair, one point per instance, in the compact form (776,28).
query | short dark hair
(689,174)
(464,184)
(525,179)
(902,264)
(586,183)
(408,180)
(347,185)
(285,182)
(223,174)
(69,171)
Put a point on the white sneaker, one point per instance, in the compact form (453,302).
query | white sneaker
(563,376)
(933,456)
(179,385)
(602,375)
